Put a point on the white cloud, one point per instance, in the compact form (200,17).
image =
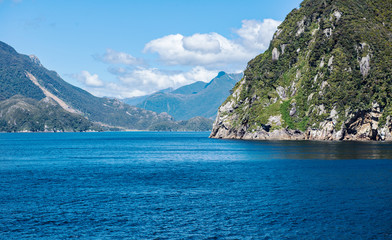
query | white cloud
(116,90)
(209,43)
(217,51)
(151,79)
(142,81)
(214,50)
(113,57)
(204,54)
(257,35)
(90,80)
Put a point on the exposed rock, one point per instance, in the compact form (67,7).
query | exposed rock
(48,94)
(322,63)
(328,32)
(321,74)
(283,47)
(330,62)
(324,84)
(293,89)
(301,27)
(365,65)
(35,60)
(310,97)
(275,54)
(277,33)
(337,15)
(321,110)
(316,30)
(293,109)
(333,115)
(275,120)
(281,92)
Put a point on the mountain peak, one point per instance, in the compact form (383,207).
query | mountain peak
(7,48)
(220,74)
(35,60)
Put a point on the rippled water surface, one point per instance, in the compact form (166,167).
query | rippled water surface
(140,185)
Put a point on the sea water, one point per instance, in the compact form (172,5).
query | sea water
(149,185)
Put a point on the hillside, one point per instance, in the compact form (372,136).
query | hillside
(327,75)
(197,99)
(25,76)
(20,114)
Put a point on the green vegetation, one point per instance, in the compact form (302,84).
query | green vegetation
(285,111)
(197,99)
(112,113)
(333,55)
(196,124)
(26,114)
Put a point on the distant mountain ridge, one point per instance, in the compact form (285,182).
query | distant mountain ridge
(196,99)
(25,77)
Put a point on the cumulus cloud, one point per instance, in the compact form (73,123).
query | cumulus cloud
(256,34)
(217,51)
(117,90)
(90,80)
(213,49)
(113,57)
(209,43)
(142,81)
(202,54)
(151,79)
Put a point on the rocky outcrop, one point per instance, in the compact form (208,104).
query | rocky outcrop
(360,126)
(325,76)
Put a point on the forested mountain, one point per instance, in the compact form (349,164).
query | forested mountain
(326,75)
(44,95)
(196,99)
(19,114)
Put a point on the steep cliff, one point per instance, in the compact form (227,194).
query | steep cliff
(327,75)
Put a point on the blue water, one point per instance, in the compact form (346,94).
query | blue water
(140,185)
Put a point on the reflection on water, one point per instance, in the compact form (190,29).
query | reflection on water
(325,150)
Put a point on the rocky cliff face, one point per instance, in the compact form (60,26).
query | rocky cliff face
(327,75)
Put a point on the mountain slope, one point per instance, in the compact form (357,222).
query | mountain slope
(18,114)
(25,76)
(133,101)
(196,99)
(327,75)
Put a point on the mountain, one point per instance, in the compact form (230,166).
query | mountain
(327,75)
(42,94)
(195,124)
(196,99)
(133,101)
(19,114)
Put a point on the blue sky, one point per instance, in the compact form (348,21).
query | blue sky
(128,48)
